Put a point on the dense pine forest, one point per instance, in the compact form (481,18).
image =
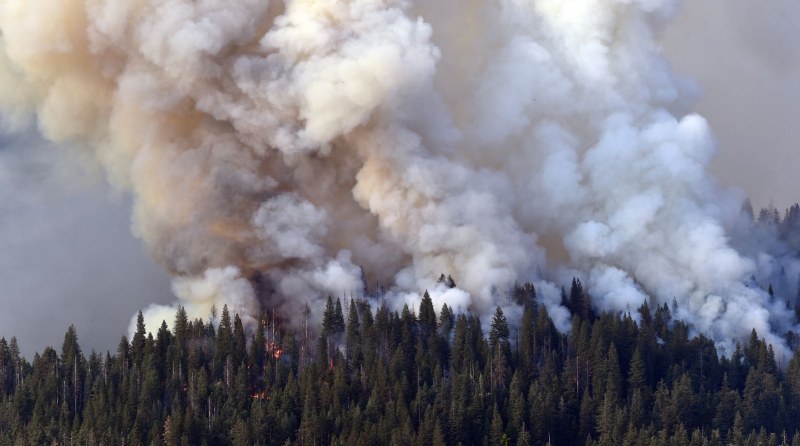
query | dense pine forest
(371,376)
(374,377)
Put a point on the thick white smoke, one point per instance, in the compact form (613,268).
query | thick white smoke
(274,148)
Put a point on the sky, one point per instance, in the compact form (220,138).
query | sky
(744,56)
(68,255)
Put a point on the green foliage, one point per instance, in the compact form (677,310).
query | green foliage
(408,378)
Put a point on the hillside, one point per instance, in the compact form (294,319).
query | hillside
(373,376)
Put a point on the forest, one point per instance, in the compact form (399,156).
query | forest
(421,376)
(375,377)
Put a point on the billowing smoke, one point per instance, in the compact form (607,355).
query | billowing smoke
(273,149)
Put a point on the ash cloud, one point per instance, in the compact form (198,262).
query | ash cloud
(274,148)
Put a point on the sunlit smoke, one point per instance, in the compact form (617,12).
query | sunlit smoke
(274,149)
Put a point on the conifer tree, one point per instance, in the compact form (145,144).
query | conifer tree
(138,341)
(353,342)
(338,317)
(239,341)
(497,433)
(328,323)
(446,320)
(427,316)
(499,331)
(608,381)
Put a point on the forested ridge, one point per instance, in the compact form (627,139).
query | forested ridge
(373,376)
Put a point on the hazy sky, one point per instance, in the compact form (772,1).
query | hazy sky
(745,56)
(68,254)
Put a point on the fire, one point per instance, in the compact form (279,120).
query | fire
(274,349)
(259,395)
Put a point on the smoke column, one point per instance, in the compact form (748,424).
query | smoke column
(274,148)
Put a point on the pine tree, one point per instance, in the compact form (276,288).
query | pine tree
(223,360)
(499,329)
(438,435)
(726,407)
(525,344)
(575,296)
(427,316)
(497,433)
(170,433)
(240,434)
(72,363)
(138,341)
(614,377)
(446,320)
(239,341)
(181,328)
(586,423)
(353,342)
(516,404)
(338,317)
(162,345)
(637,376)
(524,437)
(328,323)
(6,370)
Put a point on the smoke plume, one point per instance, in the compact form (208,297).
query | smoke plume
(273,149)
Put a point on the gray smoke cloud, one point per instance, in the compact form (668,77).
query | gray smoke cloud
(274,148)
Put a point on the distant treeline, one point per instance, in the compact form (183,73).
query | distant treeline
(377,377)
(787,228)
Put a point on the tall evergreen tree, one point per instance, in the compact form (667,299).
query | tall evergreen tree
(138,341)
(353,342)
(427,316)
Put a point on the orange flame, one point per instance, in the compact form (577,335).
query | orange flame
(259,396)
(274,349)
